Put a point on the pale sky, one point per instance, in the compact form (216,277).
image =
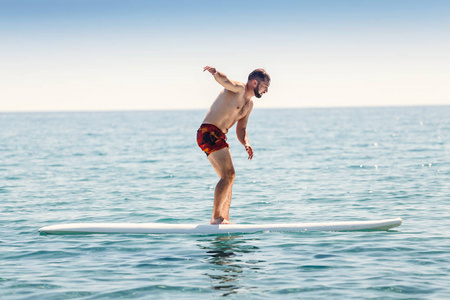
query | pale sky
(67,55)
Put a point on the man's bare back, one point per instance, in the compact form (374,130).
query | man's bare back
(234,104)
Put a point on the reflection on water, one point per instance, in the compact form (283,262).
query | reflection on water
(230,259)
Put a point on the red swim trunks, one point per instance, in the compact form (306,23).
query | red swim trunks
(210,138)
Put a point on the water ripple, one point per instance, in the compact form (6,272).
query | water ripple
(335,164)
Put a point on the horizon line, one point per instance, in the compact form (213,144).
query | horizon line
(202,109)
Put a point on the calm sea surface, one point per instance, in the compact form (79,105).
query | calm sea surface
(310,165)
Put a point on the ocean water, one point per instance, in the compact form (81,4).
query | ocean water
(310,165)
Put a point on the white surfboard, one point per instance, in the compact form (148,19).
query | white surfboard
(158,228)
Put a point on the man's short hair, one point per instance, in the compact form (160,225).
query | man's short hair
(260,75)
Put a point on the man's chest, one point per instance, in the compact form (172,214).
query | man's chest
(242,109)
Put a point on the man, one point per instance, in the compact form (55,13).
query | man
(233,104)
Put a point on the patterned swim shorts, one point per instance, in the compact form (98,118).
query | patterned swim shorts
(210,138)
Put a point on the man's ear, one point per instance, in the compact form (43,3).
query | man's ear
(255,83)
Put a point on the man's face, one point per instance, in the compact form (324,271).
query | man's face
(261,88)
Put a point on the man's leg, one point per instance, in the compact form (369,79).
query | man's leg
(226,206)
(222,163)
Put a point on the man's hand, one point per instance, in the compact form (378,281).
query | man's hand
(210,70)
(249,150)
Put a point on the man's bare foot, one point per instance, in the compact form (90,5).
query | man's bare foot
(220,221)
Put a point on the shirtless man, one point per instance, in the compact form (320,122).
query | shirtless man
(233,104)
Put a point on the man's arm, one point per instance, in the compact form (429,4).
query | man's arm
(232,86)
(241,132)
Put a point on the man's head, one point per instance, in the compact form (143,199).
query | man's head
(259,80)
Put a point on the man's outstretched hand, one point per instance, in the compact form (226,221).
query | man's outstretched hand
(211,70)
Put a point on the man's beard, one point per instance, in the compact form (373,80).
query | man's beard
(256,91)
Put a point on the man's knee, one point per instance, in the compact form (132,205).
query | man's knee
(229,175)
